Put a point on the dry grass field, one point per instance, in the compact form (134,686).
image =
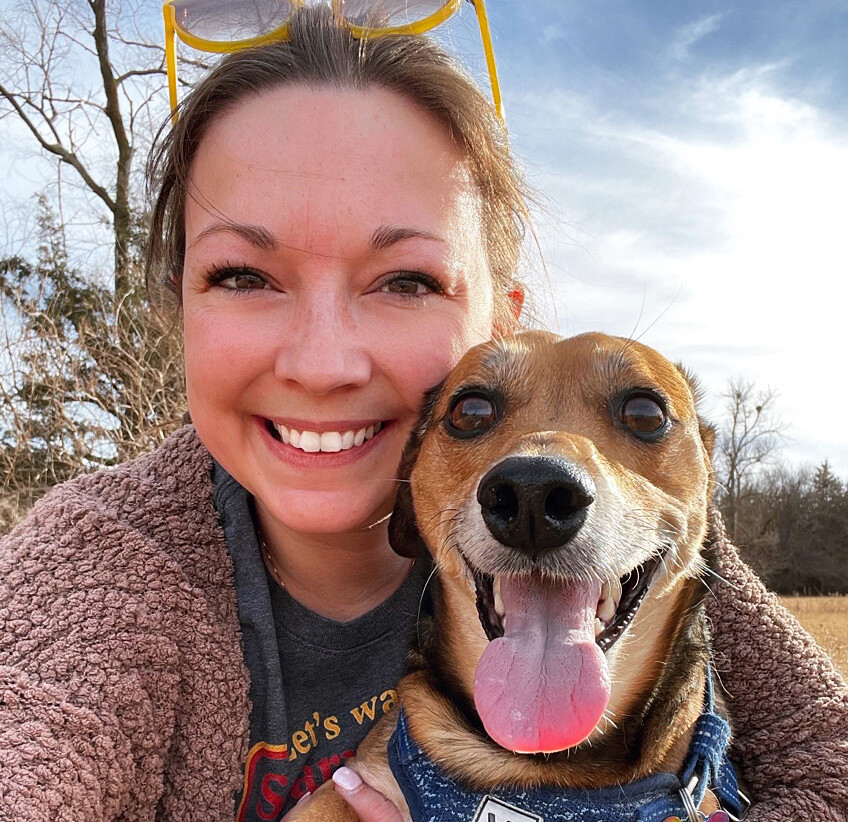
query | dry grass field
(826,618)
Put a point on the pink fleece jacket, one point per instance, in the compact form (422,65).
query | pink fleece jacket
(124,694)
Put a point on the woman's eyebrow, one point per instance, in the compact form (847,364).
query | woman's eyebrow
(387,235)
(256,235)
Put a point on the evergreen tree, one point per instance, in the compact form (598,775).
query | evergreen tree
(82,387)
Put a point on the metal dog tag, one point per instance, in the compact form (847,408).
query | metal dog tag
(496,810)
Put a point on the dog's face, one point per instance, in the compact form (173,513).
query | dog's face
(562,488)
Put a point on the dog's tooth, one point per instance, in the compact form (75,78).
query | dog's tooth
(599,627)
(606,610)
(615,591)
(605,592)
(496,591)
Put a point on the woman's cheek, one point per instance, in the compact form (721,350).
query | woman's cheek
(432,346)
(220,354)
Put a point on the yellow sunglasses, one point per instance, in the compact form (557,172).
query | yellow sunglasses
(221,26)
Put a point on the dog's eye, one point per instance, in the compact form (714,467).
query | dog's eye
(471,414)
(644,416)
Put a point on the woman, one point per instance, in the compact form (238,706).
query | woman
(341,221)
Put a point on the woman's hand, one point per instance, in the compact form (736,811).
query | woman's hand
(369,804)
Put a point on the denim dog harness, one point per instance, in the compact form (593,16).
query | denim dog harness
(434,797)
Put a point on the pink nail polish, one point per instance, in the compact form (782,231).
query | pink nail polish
(347,779)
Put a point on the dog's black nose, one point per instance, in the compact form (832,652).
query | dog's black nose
(534,504)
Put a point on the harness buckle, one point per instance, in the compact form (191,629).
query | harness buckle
(694,815)
(745,802)
(689,802)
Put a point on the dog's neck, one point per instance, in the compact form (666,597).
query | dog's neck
(654,737)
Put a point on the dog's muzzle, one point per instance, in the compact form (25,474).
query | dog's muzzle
(535,504)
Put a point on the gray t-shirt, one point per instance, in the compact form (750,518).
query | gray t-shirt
(317,686)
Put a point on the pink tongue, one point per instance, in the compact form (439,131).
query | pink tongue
(544,685)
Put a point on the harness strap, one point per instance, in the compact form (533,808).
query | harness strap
(434,797)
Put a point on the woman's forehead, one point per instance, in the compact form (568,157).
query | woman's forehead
(317,154)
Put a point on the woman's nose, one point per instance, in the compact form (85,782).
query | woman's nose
(322,350)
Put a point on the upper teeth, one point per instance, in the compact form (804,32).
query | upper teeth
(329,441)
(496,591)
(607,604)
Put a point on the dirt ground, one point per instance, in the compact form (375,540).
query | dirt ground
(826,618)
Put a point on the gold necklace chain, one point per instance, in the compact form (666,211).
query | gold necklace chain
(273,568)
(274,572)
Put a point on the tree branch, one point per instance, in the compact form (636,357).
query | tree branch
(60,151)
(138,73)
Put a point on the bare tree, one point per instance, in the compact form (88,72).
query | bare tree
(88,374)
(87,82)
(749,439)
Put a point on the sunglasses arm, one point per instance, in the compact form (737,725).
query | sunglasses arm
(171,59)
(485,36)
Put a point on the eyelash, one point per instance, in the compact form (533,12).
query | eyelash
(415,277)
(218,274)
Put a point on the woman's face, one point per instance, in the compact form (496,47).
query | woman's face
(334,271)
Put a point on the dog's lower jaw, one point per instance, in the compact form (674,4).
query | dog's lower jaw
(653,725)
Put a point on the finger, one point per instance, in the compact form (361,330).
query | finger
(370,805)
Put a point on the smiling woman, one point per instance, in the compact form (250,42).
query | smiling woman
(217,626)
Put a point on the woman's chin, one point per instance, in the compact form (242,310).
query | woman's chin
(326,512)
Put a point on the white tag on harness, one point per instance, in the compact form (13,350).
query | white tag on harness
(496,810)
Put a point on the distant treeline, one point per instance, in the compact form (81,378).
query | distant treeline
(791,525)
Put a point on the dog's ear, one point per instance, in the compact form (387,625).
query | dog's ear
(708,435)
(404,536)
(706,430)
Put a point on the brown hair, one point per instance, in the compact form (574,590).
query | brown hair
(320,52)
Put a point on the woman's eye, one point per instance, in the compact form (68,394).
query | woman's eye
(238,279)
(644,416)
(411,285)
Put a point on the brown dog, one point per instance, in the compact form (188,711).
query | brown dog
(562,488)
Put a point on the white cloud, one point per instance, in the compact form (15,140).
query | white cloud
(552,32)
(688,35)
(718,234)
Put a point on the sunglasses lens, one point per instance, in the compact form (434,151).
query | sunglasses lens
(388,13)
(226,21)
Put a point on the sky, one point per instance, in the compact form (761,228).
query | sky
(691,166)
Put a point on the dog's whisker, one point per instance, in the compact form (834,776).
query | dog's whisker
(719,577)
(421,605)
(709,589)
(607,717)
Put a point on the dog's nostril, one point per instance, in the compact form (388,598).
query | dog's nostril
(505,504)
(558,505)
(563,502)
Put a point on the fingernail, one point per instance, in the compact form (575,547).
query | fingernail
(347,779)
(303,799)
